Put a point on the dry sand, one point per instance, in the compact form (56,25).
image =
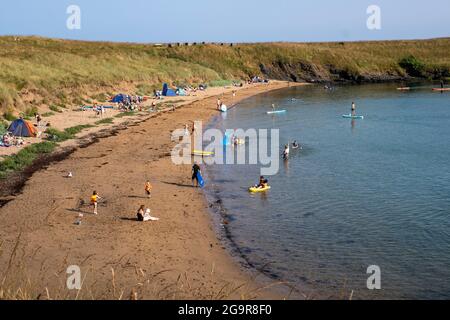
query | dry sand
(177,257)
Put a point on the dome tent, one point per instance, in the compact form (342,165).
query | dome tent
(22,128)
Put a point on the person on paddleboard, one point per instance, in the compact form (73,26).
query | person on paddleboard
(353,109)
(273,107)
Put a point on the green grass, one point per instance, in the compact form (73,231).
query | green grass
(8,115)
(105,121)
(3,127)
(56,135)
(64,72)
(24,157)
(220,83)
(125,114)
(55,108)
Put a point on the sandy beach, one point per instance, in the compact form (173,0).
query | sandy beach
(177,257)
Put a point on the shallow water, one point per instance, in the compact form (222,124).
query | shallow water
(360,193)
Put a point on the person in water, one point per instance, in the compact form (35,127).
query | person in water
(295,145)
(263,183)
(195,171)
(353,109)
(286,152)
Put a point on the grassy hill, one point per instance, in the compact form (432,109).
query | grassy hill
(38,71)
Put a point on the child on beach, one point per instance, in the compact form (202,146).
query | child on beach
(148,188)
(94,201)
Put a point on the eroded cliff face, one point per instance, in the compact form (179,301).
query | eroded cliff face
(309,72)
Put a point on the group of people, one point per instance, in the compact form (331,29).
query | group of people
(287,149)
(9,140)
(130,103)
(142,214)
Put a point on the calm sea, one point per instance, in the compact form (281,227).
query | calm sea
(360,193)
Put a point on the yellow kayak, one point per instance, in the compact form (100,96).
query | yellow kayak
(202,153)
(255,189)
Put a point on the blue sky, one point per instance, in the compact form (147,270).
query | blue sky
(227,21)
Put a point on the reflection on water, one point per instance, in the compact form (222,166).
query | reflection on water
(360,192)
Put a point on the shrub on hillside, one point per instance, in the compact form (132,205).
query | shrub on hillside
(413,66)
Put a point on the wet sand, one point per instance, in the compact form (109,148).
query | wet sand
(177,257)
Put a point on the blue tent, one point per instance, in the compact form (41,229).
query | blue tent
(120,98)
(22,128)
(168,92)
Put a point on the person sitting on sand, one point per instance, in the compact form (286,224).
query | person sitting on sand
(140,213)
(94,201)
(148,188)
(6,140)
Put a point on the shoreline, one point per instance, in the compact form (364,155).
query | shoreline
(44,230)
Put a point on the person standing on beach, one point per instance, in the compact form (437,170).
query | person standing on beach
(195,171)
(94,201)
(353,109)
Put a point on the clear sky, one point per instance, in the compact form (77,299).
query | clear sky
(227,20)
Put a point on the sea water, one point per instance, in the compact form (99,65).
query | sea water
(359,193)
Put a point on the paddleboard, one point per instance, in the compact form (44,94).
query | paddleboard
(349,116)
(275,112)
(202,153)
(404,88)
(441,89)
(254,189)
(201,182)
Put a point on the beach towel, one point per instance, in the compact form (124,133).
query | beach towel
(148,217)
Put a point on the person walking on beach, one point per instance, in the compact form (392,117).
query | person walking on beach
(353,109)
(94,201)
(195,171)
(148,189)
